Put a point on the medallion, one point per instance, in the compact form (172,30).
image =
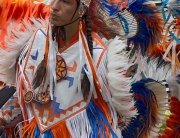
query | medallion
(61,69)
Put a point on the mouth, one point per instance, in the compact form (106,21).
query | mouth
(54,16)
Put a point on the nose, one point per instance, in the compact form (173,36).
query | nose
(55,5)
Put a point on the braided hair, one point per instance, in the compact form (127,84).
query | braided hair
(85,82)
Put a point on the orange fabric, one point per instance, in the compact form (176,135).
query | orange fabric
(17,11)
(1,84)
(28,128)
(61,131)
(32,134)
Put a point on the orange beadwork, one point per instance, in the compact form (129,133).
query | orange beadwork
(28,96)
(61,70)
(44,97)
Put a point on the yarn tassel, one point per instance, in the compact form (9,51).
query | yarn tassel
(28,129)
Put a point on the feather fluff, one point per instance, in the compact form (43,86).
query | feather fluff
(119,84)
(150,26)
(148,94)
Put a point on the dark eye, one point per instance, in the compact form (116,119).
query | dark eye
(65,1)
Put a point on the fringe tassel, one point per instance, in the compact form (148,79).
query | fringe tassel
(31,130)
(28,129)
(79,125)
(102,72)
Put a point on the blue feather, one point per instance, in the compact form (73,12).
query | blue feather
(36,132)
(48,134)
(111,8)
(142,38)
(97,120)
(144,98)
(145,33)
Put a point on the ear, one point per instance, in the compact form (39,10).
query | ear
(85,9)
(82,9)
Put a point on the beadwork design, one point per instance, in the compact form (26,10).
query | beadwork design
(28,96)
(61,69)
(44,97)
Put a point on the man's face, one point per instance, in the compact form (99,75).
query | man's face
(62,12)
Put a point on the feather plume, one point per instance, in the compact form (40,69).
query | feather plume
(18,11)
(118,82)
(20,19)
(16,40)
(110,21)
(150,26)
(149,95)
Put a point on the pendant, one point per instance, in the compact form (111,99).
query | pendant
(28,97)
(61,69)
(43,97)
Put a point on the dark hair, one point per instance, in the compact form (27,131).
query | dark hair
(85,81)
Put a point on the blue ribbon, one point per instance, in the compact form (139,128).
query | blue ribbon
(163,5)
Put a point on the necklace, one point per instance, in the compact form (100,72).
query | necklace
(61,71)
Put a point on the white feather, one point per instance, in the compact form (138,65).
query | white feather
(15,41)
(160,92)
(119,84)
